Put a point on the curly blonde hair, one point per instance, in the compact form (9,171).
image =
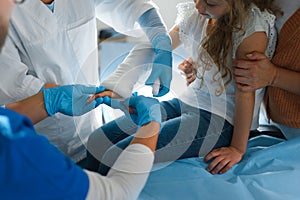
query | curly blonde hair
(219,42)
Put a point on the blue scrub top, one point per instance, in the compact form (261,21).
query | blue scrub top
(31,167)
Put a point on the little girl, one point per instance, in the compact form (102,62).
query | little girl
(211,118)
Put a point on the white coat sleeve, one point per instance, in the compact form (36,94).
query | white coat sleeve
(16,81)
(135,69)
(122,15)
(126,178)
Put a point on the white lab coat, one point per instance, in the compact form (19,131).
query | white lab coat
(61,47)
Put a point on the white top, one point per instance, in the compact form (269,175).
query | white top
(126,178)
(60,47)
(192,30)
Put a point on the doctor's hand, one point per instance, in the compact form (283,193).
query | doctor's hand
(161,74)
(144,110)
(223,159)
(71,100)
(141,109)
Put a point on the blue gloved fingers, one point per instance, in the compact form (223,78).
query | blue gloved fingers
(116,104)
(145,109)
(107,100)
(71,100)
(75,105)
(98,101)
(100,89)
(162,76)
(162,91)
(162,64)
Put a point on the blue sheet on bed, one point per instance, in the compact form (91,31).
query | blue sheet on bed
(270,170)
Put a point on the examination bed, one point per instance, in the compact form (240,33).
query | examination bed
(270,170)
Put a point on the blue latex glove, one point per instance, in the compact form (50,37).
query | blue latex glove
(155,29)
(71,99)
(162,64)
(145,110)
(141,109)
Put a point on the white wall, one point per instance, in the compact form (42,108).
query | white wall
(168,10)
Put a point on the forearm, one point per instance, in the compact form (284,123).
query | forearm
(287,80)
(244,105)
(32,107)
(174,34)
(147,135)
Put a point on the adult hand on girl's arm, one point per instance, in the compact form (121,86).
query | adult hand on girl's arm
(258,71)
(254,73)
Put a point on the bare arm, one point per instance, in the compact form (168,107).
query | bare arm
(174,34)
(147,135)
(244,101)
(32,107)
(224,158)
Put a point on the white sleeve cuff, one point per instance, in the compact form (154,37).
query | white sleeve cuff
(127,177)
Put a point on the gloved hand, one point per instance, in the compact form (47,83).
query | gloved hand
(71,99)
(162,65)
(144,110)
(141,109)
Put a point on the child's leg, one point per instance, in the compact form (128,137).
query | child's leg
(194,133)
(136,65)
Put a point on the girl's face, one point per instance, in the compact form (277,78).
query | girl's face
(213,9)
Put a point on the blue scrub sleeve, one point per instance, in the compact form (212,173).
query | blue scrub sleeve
(152,24)
(31,167)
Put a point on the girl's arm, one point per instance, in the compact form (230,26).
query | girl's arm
(244,101)
(174,34)
(224,158)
